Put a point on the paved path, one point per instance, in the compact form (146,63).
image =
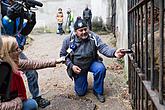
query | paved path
(56,86)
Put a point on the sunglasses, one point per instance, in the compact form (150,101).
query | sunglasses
(17,50)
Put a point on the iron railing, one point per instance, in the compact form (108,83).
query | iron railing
(147,63)
(113,20)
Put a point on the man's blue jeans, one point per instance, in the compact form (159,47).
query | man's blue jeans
(30,104)
(81,84)
(32,78)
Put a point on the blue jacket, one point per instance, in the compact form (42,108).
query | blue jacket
(8,29)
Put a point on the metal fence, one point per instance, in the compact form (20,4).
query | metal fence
(147,63)
(113,20)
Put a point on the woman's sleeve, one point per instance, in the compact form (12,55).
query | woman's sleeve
(36,64)
(15,104)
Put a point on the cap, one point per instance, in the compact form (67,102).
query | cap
(69,10)
(59,9)
(79,23)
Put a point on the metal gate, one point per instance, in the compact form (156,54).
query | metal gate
(113,20)
(147,63)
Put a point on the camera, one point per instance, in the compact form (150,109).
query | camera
(19,10)
(22,8)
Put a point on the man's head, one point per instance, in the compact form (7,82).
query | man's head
(80,28)
(86,6)
(59,9)
(68,11)
(11,1)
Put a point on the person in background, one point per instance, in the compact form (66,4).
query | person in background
(10,53)
(70,21)
(59,18)
(87,16)
(11,24)
(80,50)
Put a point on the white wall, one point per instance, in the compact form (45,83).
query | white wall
(100,8)
(121,23)
(46,15)
(122,27)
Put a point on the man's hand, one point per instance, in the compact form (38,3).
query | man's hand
(119,53)
(76,69)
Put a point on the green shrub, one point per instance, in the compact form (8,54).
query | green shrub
(97,24)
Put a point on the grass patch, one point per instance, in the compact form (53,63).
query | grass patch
(121,61)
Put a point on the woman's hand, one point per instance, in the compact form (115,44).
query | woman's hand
(76,69)
(60,60)
(15,104)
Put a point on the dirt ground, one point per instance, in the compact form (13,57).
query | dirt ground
(56,86)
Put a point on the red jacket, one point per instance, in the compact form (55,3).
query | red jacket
(17,84)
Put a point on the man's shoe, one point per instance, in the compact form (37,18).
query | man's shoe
(100,97)
(42,102)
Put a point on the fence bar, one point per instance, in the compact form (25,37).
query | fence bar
(146,52)
(161,27)
(145,87)
(152,45)
(142,2)
(138,39)
(142,56)
(153,95)
(139,88)
(146,41)
(135,34)
(142,95)
(136,89)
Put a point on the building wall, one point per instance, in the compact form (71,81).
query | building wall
(101,8)
(122,26)
(121,23)
(49,10)
(46,15)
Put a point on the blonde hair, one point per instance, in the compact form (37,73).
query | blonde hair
(8,44)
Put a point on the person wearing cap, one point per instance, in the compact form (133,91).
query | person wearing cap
(60,18)
(70,21)
(80,50)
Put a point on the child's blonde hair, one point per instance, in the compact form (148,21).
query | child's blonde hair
(8,44)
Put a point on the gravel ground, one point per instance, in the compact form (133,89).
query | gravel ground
(56,86)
